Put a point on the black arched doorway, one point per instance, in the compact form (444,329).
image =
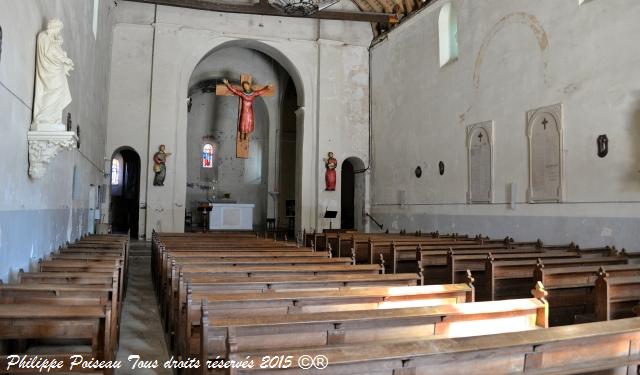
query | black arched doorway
(125,192)
(352,198)
(347,205)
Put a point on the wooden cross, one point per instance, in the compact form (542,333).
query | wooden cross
(242,144)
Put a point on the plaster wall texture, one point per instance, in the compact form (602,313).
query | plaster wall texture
(128,112)
(326,66)
(39,215)
(515,56)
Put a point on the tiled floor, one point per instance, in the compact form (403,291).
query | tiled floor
(141,331)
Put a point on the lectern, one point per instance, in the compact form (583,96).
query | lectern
(330,215)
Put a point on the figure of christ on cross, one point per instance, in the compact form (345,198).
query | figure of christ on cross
(247,94)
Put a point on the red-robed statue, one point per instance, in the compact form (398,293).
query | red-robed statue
(330,175)
(247,95)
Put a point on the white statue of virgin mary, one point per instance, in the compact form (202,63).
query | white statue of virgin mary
(52,89)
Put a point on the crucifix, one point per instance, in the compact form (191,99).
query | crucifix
(246,94)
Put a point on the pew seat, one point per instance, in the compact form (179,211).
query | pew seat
(609,347)
(223,335)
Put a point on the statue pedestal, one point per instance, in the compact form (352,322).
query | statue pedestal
(44,146)
(50,128)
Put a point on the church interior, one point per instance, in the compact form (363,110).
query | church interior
(388,187)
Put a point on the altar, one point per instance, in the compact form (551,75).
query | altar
(231,216)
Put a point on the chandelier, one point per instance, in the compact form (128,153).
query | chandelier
(302,8)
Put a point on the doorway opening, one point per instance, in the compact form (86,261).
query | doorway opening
(352,196)
(125,192)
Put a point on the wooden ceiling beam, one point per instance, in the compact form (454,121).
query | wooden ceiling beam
(263,8)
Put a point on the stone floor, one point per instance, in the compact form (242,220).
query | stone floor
(141,330)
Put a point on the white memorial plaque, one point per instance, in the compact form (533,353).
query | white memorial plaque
(544,130)
(480,162)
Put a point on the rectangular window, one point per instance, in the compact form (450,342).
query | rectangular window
(115,172)
(96,8)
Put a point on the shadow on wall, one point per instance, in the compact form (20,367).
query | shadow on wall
(633,177)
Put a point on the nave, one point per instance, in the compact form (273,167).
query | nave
(382,187)
(241,303)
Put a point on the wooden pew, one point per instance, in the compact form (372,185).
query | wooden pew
(434,263)
(367,249)
(168,261)
(298,302)
(278,283)
(85,275)
(457,265)
(66,295)
(224,335)
(161,253)
(263,284)
(172,283)
(206,262)
(88,267)
(572,289)
(270,270)
(169,308)
(616,297)
(189,265)
(513,279)
(54,322)
(602,347)
(433,258)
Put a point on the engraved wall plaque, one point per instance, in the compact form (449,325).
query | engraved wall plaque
(544,131)
(480,162)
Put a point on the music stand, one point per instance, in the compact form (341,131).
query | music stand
(330,215)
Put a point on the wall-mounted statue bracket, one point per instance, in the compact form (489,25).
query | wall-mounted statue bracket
(44,146)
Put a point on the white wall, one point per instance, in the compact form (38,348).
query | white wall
(327,59)
(515,55)
(37,216)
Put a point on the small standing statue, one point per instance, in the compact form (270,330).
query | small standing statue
(247,96)
(159,166)
(330,175)
(53,67)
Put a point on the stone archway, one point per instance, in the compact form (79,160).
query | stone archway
(168,120)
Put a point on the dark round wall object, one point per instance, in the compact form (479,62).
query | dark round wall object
(603,145)
(441,167)
(418,172)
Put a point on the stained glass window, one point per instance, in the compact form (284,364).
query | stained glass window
(207,155)
(115,172)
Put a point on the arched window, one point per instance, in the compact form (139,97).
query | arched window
(208,152)
(115,172)
(448,34)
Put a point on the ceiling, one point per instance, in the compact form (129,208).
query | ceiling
(382,14)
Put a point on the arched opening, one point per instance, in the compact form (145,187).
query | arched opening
(287,160)
(448,34)
(352,198)
(267,178)
(125,192)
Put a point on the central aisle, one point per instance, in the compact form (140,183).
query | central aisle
(141,332)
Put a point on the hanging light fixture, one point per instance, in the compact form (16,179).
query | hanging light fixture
(302,8)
